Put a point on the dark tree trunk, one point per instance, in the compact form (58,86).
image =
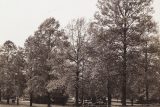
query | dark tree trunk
(8,100)
(124,90)
(124,67)
(147,93)
(82,94)
(17,100)
(77,85)
(146,71)
(77,89)
(109,94)
(0,95)
(31,99)
(132,101)
(82,88)
(49,100)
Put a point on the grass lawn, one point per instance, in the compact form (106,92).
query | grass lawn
(40,105)
(26,104)
(22,104)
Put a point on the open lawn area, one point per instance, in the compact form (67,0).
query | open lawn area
(23,104)
(26,104)
(37,105)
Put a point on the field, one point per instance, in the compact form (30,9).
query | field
(36,105)
(23,104)
(26,104)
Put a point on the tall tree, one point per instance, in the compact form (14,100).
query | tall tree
(107,57)
(1,72)
(19,64)
(77,31)
(124,18)
(8,53)
(46,55)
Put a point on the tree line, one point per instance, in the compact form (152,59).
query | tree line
(116,55)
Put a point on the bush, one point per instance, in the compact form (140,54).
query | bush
(60,100)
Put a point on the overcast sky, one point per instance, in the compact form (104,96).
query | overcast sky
(20,18)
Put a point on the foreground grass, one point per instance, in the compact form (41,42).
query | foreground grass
(40,105)
(22,104)
(26,104)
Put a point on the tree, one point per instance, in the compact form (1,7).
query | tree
(107,57)
(149,55)
(77,31)
(8,52)
(19,64)
(1,72)
(46,56)
(31,67)
(124,18)
(12,66)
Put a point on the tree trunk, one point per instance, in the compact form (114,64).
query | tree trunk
(77,86)
(77,94)
(49,100)
(82,91)
(8,100)
(124,68)
(17,100)
(132,101)
(31,99)
(146,71)
(82,96)
(147,93)
(0,95)
(124,90)
(109,94)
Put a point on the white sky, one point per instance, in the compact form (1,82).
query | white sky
(20,18)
